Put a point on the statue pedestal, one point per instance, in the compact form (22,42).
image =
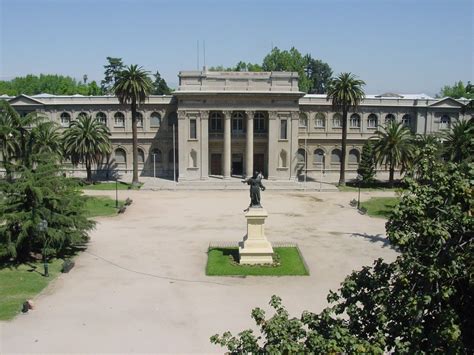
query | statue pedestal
(255,248)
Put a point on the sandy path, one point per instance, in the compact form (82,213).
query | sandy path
(141,287)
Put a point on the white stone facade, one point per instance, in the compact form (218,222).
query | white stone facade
(230,123)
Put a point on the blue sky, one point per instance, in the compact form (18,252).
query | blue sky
(406,46)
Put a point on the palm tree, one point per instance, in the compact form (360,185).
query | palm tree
(87,141)
(394,147)
(459,141)
(18,141)
(8,143)
(346,93)
(133,86)
(47,139)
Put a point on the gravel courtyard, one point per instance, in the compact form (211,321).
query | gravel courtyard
(141,287)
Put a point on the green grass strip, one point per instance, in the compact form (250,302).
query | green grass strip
(224,262)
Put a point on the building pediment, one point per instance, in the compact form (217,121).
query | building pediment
(24,100)
(447,102)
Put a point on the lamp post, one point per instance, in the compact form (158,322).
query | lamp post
(322,168)
(116,192)
(174,155)
(43,228)
(359,180)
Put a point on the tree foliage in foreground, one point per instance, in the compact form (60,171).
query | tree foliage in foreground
(420,303)
(36,194)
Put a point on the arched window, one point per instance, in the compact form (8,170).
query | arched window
(445,122)
(172,119)
(141,156)
(156,156)
(155,119)
(354,121)
(372,121)
(193,159)
(301,156)
(237,122)
(216,122)
(65,119)
(81,114)
(336,156)
(102,118)
(319,157)
(139,119)
(354,157)
(120,156)
(119,119)
(303,120)
(320,120)
(259,122)
(337,120)
(283,159)
(406,120)
(389,119)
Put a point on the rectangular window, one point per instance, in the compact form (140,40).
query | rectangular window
(192,129)
(283,129)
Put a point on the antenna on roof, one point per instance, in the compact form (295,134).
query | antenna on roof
(197,55)
(204,50)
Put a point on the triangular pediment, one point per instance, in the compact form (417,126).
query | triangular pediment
(24,100)
(447,102)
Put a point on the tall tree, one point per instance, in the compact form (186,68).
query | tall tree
(160,87)
(8,142)
(41,193)
(87,141)
(292,60)
(346,93)
(47,139)
(366,167)
(132,87)
(458,90)
(393,146)
(319,74)
(112,71)
(459,141)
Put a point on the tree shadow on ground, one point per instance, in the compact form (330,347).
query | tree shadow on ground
(374,238)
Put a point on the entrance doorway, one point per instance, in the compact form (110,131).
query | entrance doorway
(237,164)
(216,164)
(259,163)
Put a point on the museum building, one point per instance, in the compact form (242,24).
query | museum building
(223,124)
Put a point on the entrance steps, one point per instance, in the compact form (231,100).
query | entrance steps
(233,184)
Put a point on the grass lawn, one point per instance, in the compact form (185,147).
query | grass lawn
(111,186)
(99,206)
(380,206)
(222,262)
(18,284)
(355,188)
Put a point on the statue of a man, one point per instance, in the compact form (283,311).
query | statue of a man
(255,183)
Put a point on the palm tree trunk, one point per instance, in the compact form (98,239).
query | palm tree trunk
(134,144)
(392,172)
(342,172)
(88,170)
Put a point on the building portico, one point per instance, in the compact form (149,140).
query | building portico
(249,122)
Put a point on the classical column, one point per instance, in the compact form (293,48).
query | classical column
(182,137)
(293,141)
(227,144)
(204,145)
(273,135)
(249,158)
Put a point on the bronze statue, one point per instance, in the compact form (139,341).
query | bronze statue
(255,183)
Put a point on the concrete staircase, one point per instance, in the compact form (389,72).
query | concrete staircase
(233,184)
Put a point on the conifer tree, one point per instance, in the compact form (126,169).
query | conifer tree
(367,164)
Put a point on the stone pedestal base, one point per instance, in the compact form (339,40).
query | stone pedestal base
(255,248)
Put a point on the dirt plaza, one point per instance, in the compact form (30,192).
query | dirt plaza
(141,284)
